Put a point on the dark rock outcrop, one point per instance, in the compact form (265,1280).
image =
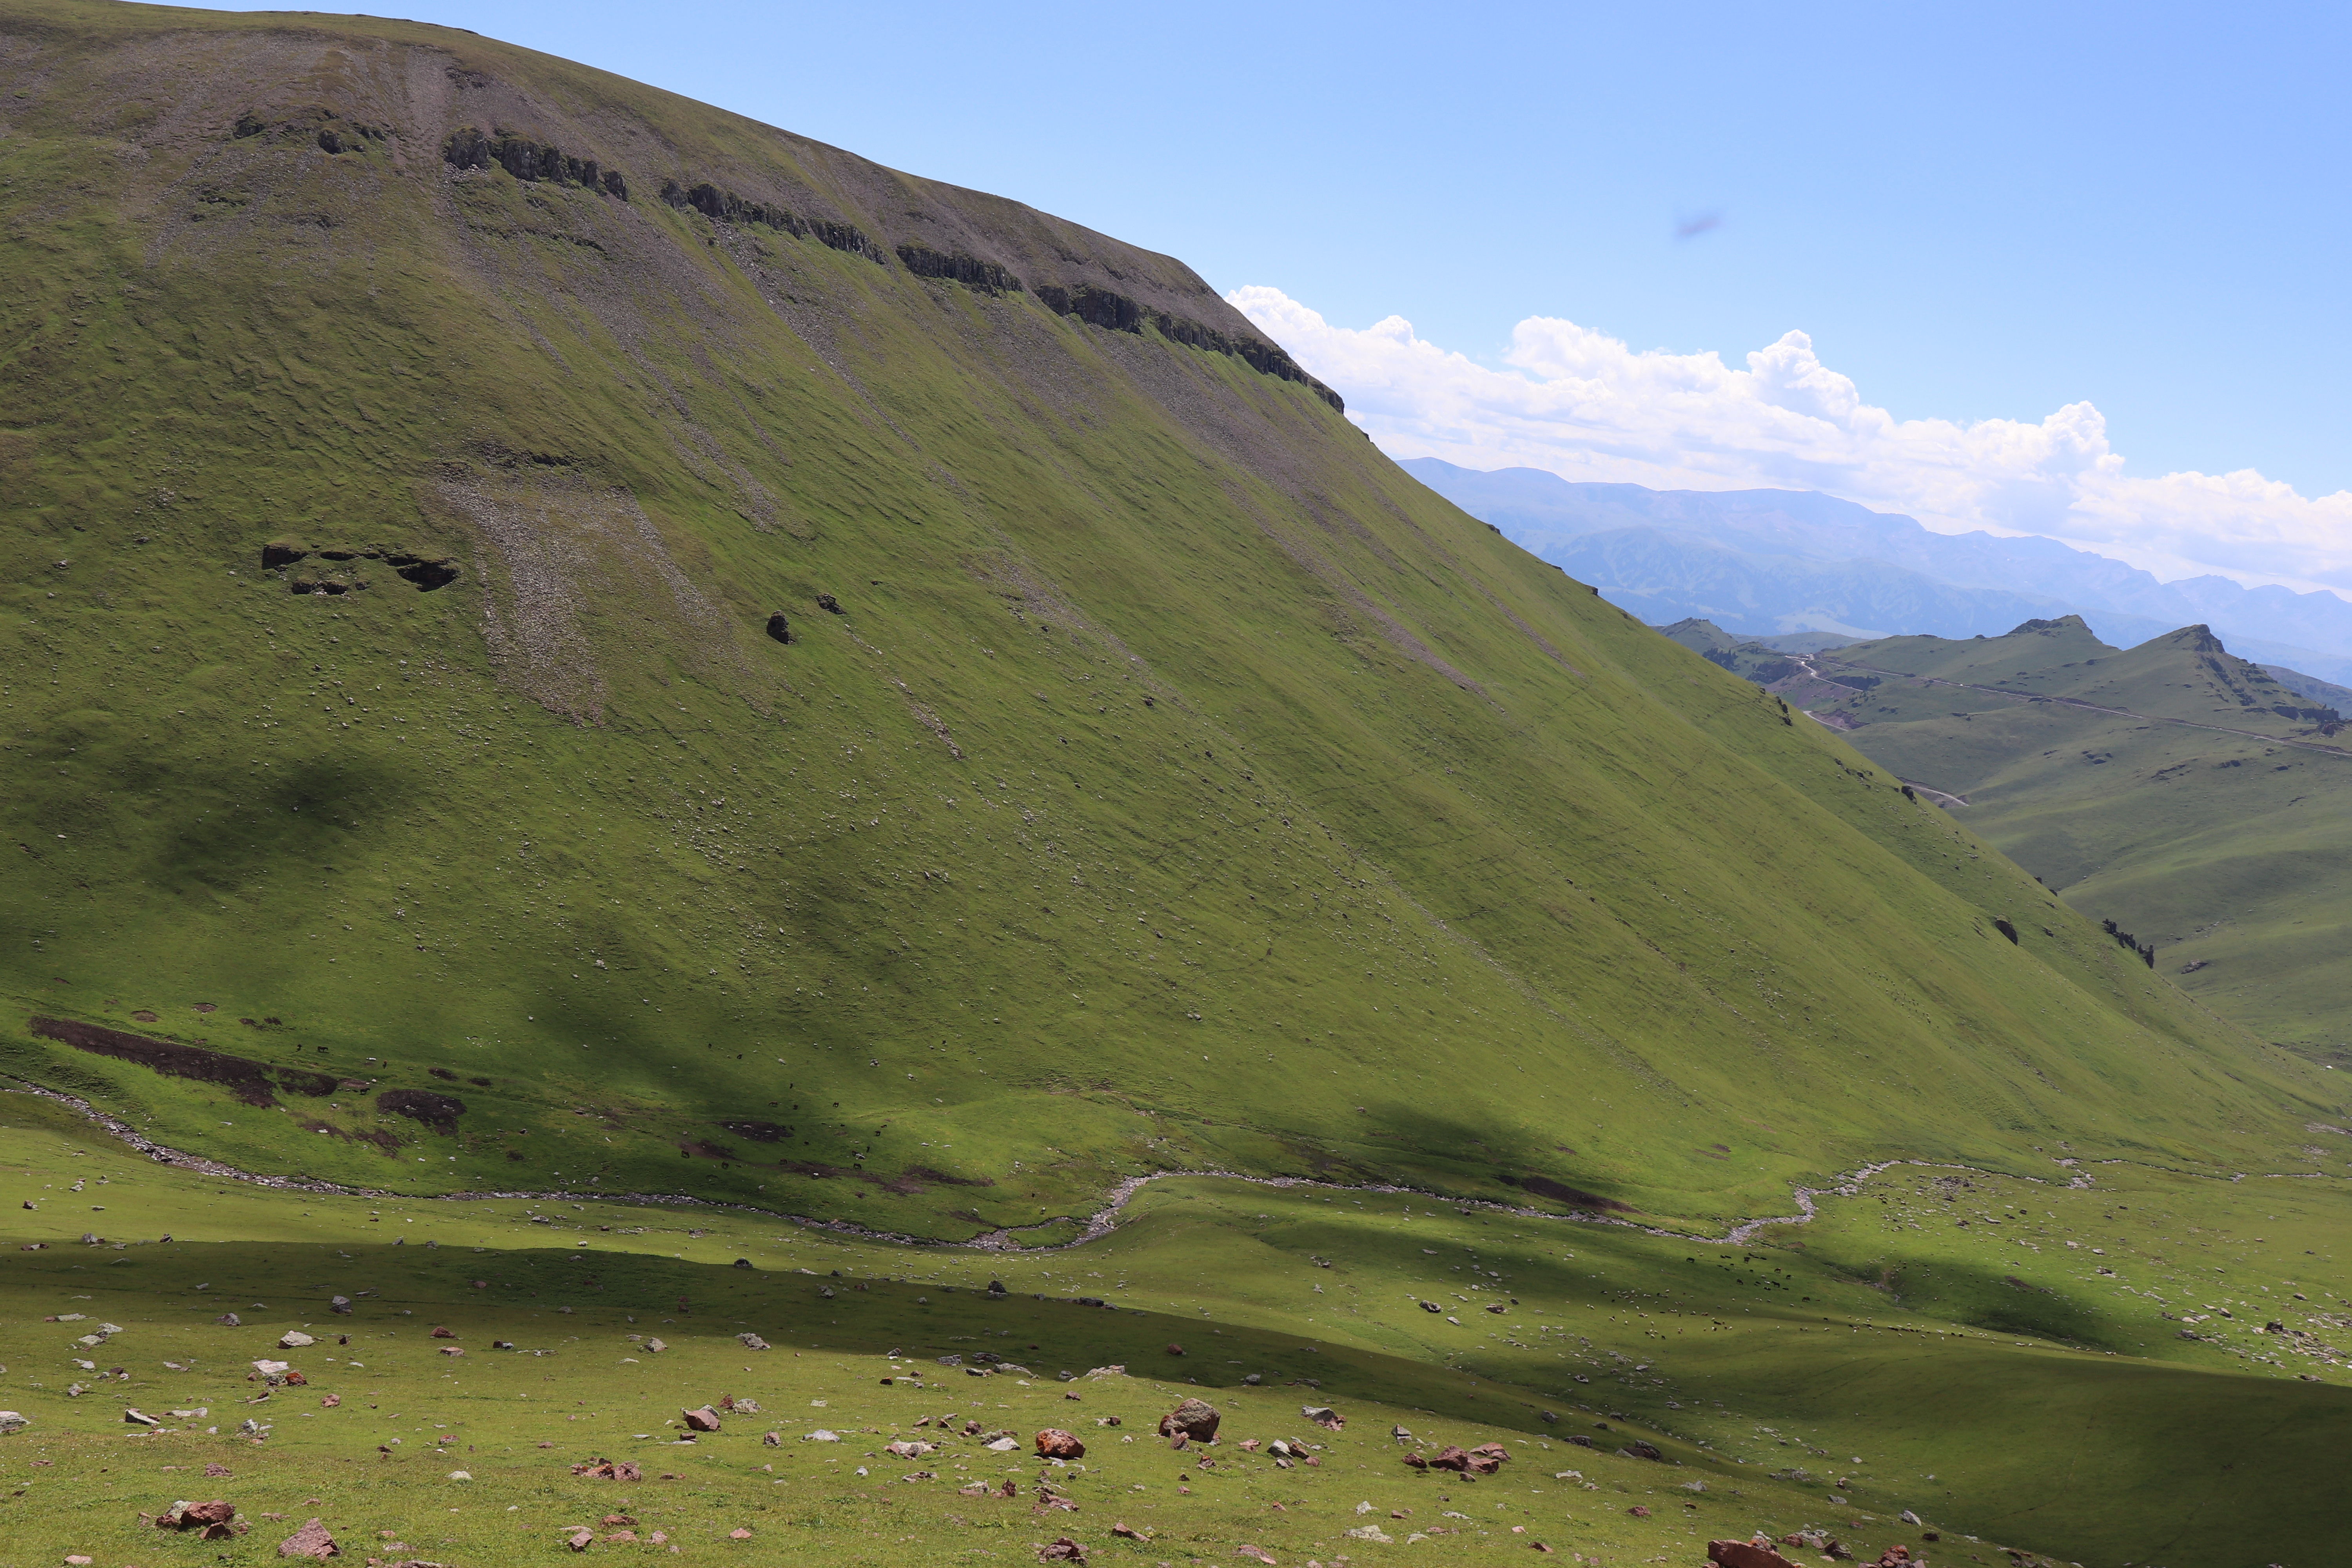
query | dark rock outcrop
(723,206)
(250,1082)
(955,266)
(779,628)
(758,1132)
(438,1111)
(467,148)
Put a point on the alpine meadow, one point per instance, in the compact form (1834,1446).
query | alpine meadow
(935,855)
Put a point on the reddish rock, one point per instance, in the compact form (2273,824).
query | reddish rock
(443,1334)
(1062,1550)
(739,1533)
(626,1470)
(1486,1458)
(1175,1350)
(1053,1443)
(1451,1458)
(1196,1418)
(1638,1512)
(703,1420)
(579,1539)
(1745,1555)
(310,1540)
(210,1519)
(1127,1532)
(622,1538)
(1417,1461)
(213,1472)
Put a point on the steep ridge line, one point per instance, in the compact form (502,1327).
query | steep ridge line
(1099,1225)
(1805,659)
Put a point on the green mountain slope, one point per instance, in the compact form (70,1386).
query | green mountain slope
(1154,776)
(2178,791)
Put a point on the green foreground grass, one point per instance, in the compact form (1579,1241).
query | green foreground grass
(2017,1380)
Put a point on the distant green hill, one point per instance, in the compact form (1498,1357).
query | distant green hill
(691,661)
(2190,797)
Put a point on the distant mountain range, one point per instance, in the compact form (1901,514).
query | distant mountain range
(1757,562)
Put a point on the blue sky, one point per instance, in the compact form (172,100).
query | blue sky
(1978,212)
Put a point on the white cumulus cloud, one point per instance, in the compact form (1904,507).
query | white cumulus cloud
(1588,407)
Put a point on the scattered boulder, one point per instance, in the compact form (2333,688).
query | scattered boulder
(134,1419)
(739,1533)
(212,1519)
(913,1449)
(310,1540)
(1745,1555)
(1053,1443)
(437,1333)
(609,1470)
(579,1539)
(228,1321)
(1126,1531)
(1061,1548)
(1175,1350)
(703,1420)
(294,1340)
(1371,1533)
(1323,1415)
(1195,1418)
(1487,1458)
(656,1346)
(1637,1450)
(830,604)
(752,1341)
(772,1439)
(779,628)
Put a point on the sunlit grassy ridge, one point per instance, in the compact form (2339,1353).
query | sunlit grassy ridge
(2221,839)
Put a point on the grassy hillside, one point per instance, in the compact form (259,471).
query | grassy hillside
(2172,788)
(1172,783)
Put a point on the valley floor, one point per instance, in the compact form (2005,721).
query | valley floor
(2115,1365)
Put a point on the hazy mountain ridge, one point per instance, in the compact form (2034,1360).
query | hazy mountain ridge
(1768,560)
